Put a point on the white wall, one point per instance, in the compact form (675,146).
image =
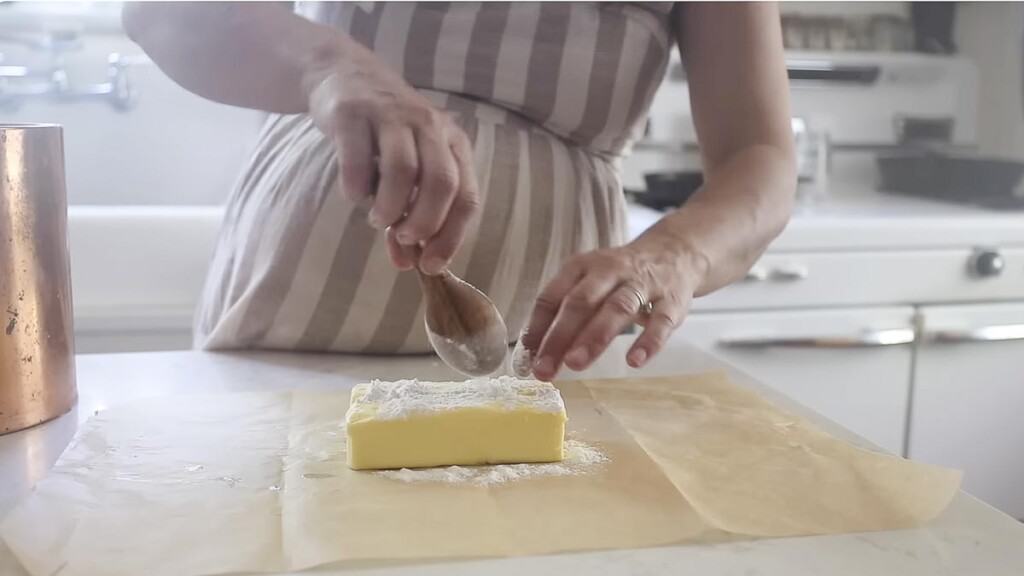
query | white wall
(172,148)
(136,270)
(992,33)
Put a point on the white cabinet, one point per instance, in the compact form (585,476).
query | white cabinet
(968,398)
(948,379)
(850,365)
(868,278)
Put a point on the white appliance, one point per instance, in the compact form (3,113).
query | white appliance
(859,99)
(899,318)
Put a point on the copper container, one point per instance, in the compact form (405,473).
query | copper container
(37,361)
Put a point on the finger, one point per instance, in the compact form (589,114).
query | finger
(399,168)
(439,250)
(549,301)
(617,312)
(578,307)
(401,256)
(354,144)
(658,326)
(437,184)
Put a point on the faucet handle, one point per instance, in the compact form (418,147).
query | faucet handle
(122,94)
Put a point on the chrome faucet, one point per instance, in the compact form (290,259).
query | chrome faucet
(21,83)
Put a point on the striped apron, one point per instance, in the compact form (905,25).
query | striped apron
(551,96)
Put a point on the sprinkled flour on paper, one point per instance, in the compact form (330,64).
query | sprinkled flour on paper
(580,458)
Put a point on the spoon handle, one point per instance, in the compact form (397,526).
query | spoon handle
(433,286)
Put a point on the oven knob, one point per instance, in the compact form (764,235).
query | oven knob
(986,263)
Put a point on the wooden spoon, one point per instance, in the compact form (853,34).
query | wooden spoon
(463,325)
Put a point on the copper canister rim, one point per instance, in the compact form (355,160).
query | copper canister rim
(26,125)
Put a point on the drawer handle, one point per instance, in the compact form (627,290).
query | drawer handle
(867,339)
(994,333)
(756,274)
(789,273)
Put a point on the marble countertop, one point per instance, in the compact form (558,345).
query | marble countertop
(968,538)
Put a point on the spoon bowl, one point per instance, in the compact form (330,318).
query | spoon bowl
(463,325)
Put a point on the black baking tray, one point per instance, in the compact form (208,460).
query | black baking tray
(951,177)
(668,190)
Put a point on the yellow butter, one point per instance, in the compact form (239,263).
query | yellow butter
(412,424)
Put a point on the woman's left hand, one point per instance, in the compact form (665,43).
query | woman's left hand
(599,294)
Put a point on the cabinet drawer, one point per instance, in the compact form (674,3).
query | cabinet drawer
(792,280)
(832,361)
(968,397)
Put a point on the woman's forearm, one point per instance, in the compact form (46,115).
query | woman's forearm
(740,102)
(728,223)
(255,55)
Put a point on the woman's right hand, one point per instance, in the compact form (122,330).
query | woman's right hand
(397,153)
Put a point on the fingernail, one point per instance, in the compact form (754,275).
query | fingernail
(375,221)
(543,365)
(526,340)
(577,358)
(637,357)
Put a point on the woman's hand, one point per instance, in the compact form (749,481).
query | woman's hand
(743,123)
(396,152)
(599,294)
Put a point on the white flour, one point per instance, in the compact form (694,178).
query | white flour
(580,458)
(522,359)
(467,356)
(403,398)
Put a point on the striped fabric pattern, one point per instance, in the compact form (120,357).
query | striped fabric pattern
(550,94)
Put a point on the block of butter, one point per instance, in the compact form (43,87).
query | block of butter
(413,424)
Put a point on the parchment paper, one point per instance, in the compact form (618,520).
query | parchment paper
(749,468)
(258,482)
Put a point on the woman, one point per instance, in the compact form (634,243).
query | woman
(489,135)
